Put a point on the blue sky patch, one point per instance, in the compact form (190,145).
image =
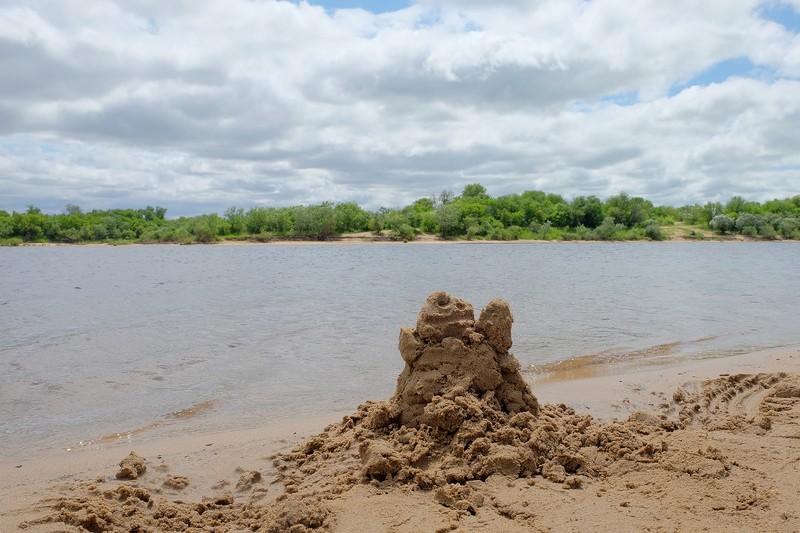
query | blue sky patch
(782,13)
(784,168)
(719,72)
(624,98)
(374,6)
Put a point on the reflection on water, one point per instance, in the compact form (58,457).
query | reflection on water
(182,414)
(96,340)
(613,362)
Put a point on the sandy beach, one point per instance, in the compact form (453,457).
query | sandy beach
(467,443)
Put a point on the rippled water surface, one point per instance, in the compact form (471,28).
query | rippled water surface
(155,340)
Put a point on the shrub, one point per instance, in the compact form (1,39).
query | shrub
(653,231)
(607,231)
(722,223)
(747,221)
(768,232)
(11,241)
(404,232)
(750,231)
(788,227)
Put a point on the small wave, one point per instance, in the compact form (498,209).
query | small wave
(167,419)
(613,361)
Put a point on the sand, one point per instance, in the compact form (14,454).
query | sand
(464,444)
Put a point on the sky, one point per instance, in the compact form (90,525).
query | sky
(200,105)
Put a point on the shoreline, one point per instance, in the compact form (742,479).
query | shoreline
(423,240)
(215,459)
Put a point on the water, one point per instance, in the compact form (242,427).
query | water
(148,341)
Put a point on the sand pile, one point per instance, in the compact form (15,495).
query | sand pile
(463,444)
(462,411)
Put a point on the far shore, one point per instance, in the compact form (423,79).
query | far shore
(425,238)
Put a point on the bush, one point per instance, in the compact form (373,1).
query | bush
(653,231)
(788,228)
(607,231)
(748,221)
(768,232)
(473,232)
(581,233)
(11,241)
(202,232)
(722,223)
(404,232)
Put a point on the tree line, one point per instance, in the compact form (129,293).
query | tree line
(473,214)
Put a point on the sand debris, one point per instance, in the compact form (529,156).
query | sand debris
(131,467)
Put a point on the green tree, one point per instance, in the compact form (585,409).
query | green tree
(237,221)
(449,218)
(588,211)
(73,209)
(445,196)
(474,190)
(318,221)
(154,213)
(29,225)
(563,216)
(350,217)
(628,211)
(256,220)
(6,228)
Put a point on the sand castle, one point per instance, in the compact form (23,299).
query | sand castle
(449,354)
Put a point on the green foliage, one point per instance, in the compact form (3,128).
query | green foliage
(449,218)
(628,211)
(236,220)
(350,218)
(722,223)
(652,230)
(73,209)
(445,196)
(10,241)
(608,230)
(404,232)
(206,228)
(315,221)
(588,211)
(473,215)
(474,190)
(6,228)
(789,228)
(748,224)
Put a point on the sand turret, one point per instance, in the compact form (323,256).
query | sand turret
(450,354)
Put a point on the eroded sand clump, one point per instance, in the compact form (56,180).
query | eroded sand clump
(131,467)
(450,355)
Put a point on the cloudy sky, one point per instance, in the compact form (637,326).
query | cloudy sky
(199,105)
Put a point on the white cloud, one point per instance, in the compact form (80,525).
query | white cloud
(201,105)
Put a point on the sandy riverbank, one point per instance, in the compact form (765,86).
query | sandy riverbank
(694,445)
(385,237)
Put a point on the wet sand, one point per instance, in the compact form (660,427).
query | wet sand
(719,450)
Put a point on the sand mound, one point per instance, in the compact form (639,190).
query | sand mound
(131,467)
(464,444)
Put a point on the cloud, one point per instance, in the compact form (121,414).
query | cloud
(201,105)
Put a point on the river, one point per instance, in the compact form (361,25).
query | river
(157,340)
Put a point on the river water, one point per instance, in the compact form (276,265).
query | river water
(149,341)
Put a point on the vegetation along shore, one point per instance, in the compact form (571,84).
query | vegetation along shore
(472,215)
